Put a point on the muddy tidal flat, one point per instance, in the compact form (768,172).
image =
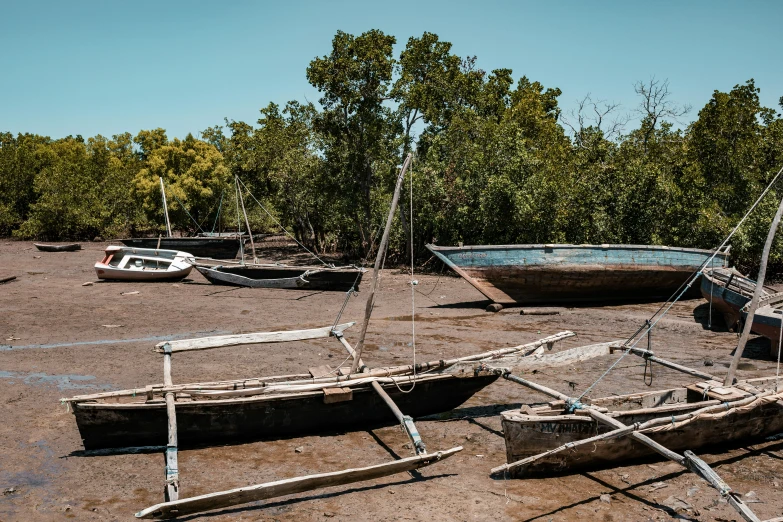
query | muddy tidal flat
(60,337)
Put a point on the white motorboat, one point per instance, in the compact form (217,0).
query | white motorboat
(144,264)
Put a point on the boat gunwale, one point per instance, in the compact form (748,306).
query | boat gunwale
(102,404)
(541,246)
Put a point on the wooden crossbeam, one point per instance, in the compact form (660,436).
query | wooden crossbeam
(172,467)
(221,341)
(405,420)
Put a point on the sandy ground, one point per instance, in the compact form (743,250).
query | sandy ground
(60,338)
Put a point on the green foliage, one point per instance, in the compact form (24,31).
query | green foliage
(493,164)
(194,176)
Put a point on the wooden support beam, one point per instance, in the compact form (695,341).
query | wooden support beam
(647,354)
(702,469)
(538,387)
(349,349)
(233,497)
(220,341)
(405,420)
(172,468)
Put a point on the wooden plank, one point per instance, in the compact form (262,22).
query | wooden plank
(172,467)
(220,341)
(233,497)
(320,371)
(334,395)
(545,360)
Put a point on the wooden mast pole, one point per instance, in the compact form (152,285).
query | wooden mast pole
(754,303)
(378,261)
(247,223)
(165,207)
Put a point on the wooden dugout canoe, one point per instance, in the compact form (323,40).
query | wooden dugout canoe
(237,419)
(281,276)
(71,247)
(574,273)
(323,400)
(533,431)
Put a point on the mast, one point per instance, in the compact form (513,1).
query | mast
(165,207)
(239,224)
(247,223)
(754,303)
(378,261)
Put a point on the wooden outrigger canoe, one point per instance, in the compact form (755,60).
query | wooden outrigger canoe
(576,273)
(230,410)
(701,415)
(257,408)
(281,276)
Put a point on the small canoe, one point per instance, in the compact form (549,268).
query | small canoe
(207,247)
(281,276)
(576,273)
(142,264)
(71,247)
(533,431)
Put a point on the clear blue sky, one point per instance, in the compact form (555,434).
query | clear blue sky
(90,67)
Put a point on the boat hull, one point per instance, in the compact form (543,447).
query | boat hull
(224,421)
(307,278)
(528,435)
(576,273)
(109,273)
(73,247)
(211,247)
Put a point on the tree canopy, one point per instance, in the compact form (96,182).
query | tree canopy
(496,161)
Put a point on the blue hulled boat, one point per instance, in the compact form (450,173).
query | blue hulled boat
(577,273)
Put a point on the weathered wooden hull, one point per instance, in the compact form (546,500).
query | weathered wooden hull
(727,301)
(767,322)
(206,422)
(211,247)
(528,435)
(576,273)
(73,247)
(311,278)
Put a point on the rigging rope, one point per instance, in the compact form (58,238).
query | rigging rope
(684,287)
(220,205)
(282,227)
